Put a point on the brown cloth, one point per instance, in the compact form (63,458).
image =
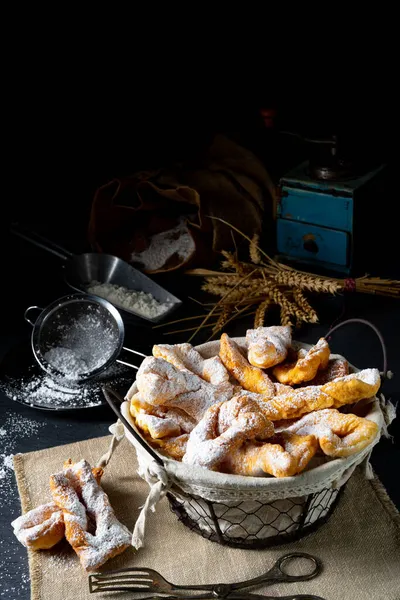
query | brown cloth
(227,182)
(359,546)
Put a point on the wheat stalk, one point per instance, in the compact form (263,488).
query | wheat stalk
(258,284)
(305,306)
(307,282)
(222,320)
(285,317)
(260,312)
(254,250)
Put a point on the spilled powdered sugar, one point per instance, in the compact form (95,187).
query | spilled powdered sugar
(138,302)
(14,428)
(41,391)
(13,567)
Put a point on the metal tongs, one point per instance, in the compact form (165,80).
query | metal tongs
(143,581)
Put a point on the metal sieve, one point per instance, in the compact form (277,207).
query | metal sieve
(77,337)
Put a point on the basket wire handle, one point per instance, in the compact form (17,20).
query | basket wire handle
(385,372)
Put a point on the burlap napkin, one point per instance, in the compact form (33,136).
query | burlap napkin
(359,546)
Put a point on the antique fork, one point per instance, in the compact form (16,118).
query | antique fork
(145,580)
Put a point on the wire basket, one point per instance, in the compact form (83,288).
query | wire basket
(255,524)
(247,512)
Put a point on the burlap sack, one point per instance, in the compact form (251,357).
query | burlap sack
(227,182)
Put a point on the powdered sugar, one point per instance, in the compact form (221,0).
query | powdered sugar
(164,246)
(41,391)
(15,428)
(66,361)
(83,344)
(138,302)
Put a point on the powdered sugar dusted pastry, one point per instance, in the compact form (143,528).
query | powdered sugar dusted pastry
(268,346)
(162,384)
(295,403)
(250,378)
(40,528)
(353,387)
(338,434)
(285,456)
(78,495)
(43,527)
(185,357)
(225,426)
(306,366)
(337,367)
(157,427)
(174,447)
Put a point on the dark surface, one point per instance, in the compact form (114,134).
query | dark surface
(35,278)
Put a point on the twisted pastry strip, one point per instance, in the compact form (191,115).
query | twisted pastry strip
(40,528)
(306,366)
(162,384)
(250,378)
(297,402)
(185,358)
(268,346)
(224,427)
(43,527)
(338,434)
(353,387)
(110,538)
(159,421)
(286,455)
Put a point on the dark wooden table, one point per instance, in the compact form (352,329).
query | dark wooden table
(35,278)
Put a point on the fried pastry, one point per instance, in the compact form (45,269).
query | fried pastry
(337,367)
(161,384)
(185,358)
(338,434)
(306,366)
(353,387)
(43,527)
(250,378)
(157,427)
(159,421)
(224,427)
(40,528)
(174,447)
(268,346)
(341,391)
(284,456)
(82,500)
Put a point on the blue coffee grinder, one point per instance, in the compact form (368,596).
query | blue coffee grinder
(326,208)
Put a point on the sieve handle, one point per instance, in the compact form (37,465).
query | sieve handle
(42,242)
(26,313)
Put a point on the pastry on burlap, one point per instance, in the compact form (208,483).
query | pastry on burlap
(359,546)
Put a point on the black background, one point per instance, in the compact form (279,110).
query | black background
(74,124)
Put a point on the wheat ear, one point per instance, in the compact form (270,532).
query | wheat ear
(305,306)
(260,313)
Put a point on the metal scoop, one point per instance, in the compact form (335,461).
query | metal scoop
(81,269)
(78,337)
